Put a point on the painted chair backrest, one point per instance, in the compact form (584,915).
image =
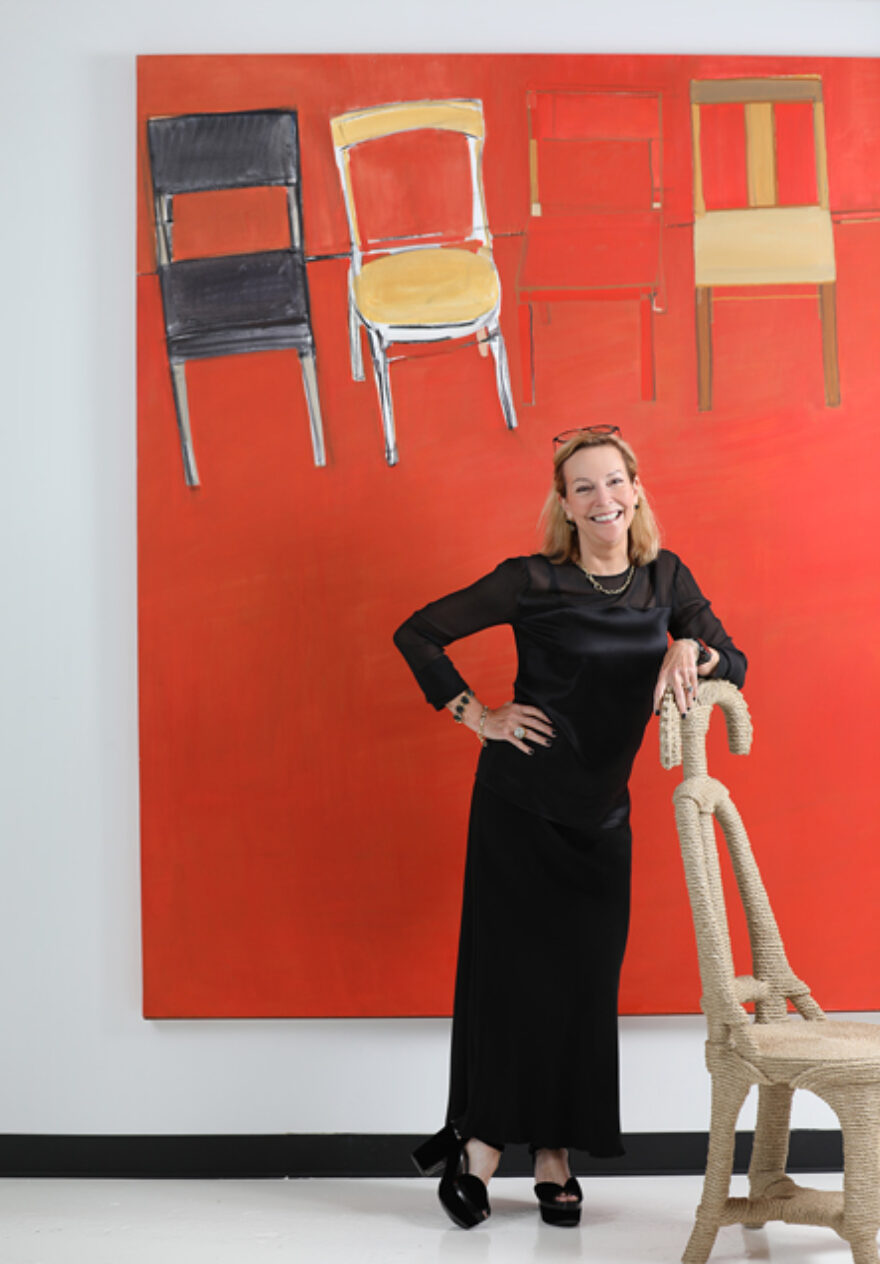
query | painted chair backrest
(594,150)
(201,153)
(771,137)
(359,126)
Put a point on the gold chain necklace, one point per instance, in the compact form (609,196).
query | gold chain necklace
(610,592)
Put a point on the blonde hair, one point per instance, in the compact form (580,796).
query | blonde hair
(560,542)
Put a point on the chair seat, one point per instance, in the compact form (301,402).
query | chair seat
(236,303)
(592,252)
(811,1043)
(434,287)
(774,245)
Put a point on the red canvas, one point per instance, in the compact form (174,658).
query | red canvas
(303,809)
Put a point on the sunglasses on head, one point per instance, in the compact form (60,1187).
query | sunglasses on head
(604,431)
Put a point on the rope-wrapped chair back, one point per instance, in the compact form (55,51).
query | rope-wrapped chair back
(699,801)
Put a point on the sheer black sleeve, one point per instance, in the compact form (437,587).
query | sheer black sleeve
(692,615)
(423,637)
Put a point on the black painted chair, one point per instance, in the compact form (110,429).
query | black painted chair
(230,304)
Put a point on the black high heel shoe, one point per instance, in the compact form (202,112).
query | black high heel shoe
(553,1212)
(432,1154)
(463,1195)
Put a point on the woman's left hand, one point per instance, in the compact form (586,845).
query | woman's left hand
(678,672)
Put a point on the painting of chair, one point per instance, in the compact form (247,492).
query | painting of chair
(416,290)
(231,304)
(773,240)
(838,1061)
(595,228)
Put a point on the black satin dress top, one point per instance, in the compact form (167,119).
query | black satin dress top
(589,660)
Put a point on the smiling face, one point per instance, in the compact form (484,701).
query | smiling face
(600,498)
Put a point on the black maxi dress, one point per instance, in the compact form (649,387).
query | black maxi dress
(547,877)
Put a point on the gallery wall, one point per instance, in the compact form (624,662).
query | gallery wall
(76,1055)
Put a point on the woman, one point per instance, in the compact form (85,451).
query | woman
(604,621)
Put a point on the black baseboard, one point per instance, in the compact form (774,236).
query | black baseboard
(357,1154)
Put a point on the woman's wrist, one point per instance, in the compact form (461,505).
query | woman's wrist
(709,663)
(469,711)
(460,705)
(704,656)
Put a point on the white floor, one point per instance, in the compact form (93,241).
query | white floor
(627,1220)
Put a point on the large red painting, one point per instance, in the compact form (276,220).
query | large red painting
(688,247)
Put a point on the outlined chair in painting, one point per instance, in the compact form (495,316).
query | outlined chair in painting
(409,291)
(596,210)
(838,1061)
(765,242)
(229,304)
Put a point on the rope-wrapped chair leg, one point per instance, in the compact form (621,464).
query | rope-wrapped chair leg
(858,1109)
(728,1094)
(767,1176)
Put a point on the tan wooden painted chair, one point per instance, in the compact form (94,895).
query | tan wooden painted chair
(413,291)
(838,1061)
(764,243)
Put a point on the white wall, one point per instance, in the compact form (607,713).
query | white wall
(75,1055)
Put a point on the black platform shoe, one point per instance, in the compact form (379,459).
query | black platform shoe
(432,1154)
(463,1195)
(553,1212)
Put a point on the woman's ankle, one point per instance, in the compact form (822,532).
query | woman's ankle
(552,1165)
(482,1159)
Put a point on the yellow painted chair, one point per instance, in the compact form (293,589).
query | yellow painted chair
(763,243)
(411,291)
(838,1061)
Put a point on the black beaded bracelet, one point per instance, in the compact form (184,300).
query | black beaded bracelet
(461,706)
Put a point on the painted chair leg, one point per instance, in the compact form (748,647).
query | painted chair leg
(828,313)
(502,377)
(704,348)
(383,386)
(181,405)
(527,352)
(646,321)
(310,386)
(354,342)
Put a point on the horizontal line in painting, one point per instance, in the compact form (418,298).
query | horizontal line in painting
(868,216)
(762,90)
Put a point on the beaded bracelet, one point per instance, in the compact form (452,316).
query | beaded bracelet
(461,706)
(481,725)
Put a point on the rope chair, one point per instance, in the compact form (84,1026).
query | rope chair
(838,1061)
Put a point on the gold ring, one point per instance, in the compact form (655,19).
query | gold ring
(519,732)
